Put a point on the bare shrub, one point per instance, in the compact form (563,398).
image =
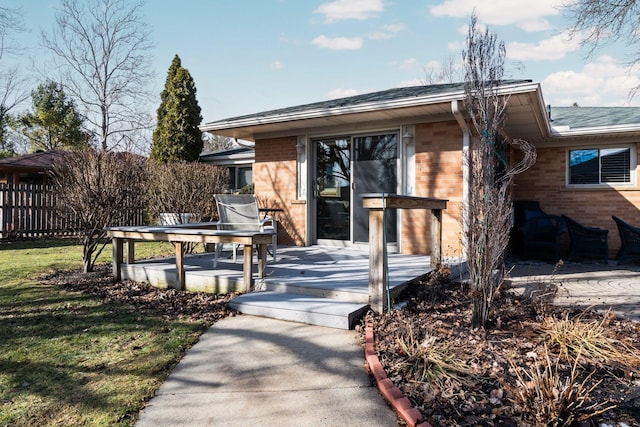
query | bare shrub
(185,188)
(488,210)
(98,189)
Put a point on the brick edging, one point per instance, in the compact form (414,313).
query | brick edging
(391,393)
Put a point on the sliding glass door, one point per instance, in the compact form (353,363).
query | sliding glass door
(346,168)
(374,171)
(333,189)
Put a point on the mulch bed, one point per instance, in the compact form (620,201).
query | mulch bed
(436,314)
(170,303)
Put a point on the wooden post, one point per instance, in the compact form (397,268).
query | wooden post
(180,265)
(248,273)
(116,243)
(436,237)
(377,261)
(130,251)
(376,203)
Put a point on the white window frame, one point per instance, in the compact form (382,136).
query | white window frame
(632,166)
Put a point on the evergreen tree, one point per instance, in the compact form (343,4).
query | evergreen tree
(177,136)
(54,123)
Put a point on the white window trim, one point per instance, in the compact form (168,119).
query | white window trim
(632,166)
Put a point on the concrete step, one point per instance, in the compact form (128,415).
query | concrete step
(336,290)
(300,308)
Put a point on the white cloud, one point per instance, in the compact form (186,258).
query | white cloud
(343,93)
(457,46)
(338,43)
(527,15)
(276,65)
(412,82)
(287,40)
(338,10)
(407,64)
(386,32)
(550,49)
(394,28)
(601,83)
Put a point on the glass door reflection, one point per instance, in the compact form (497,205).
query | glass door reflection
(333,189)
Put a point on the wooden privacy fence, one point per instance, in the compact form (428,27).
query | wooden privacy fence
(26,210)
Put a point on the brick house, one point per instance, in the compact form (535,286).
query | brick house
(314,161)
(239,163)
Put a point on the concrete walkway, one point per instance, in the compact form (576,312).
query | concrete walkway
(248,370)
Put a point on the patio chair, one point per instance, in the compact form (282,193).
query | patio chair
(536,233)
(240,212)
(541,236)
(588,242)
(630,240)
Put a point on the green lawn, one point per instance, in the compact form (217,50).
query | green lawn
(66,358)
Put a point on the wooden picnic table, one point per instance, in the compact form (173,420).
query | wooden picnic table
(180,234)
(377,203)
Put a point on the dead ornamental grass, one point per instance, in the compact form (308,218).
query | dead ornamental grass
(554,398)
(588,339)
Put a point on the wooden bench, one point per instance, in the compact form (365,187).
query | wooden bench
(180,234)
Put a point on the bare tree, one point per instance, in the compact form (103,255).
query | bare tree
(215,143)
(101,48)
(600,22)
(488,208)
(97,189)
(13,88)
(449,71)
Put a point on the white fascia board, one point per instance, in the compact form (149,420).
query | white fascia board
(361,108)
(566,131)
(233,159)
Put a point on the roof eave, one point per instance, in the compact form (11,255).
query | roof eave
(359,108)
(596,130)
(232,159)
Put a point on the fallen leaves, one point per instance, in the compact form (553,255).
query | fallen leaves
(437,310)
(140,297)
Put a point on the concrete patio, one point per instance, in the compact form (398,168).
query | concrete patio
(594,285)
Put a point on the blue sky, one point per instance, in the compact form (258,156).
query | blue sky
(248,56)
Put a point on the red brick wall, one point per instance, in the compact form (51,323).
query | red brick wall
(546,183)
(438,174)
(438,171)
(274,177)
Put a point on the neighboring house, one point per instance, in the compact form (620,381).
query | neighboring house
(315,160)
(239,162)
(28,168)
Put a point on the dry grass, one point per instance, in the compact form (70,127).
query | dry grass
(557,399)
(588,339)
(433,361)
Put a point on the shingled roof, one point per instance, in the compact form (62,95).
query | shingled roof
(367,98)
(40,160)
(590,117)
